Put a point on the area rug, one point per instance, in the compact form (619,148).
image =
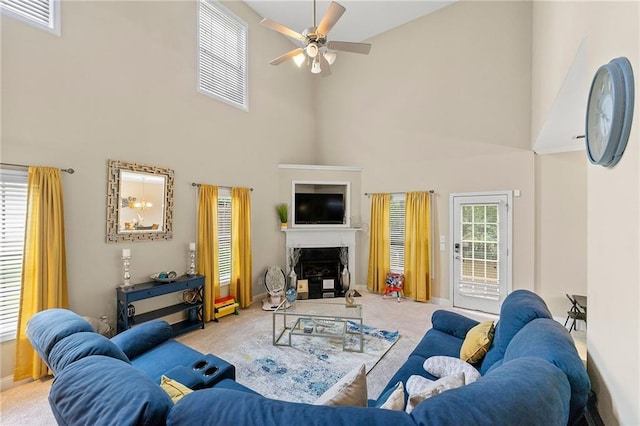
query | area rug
(304,371)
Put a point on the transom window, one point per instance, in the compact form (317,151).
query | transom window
(222,54)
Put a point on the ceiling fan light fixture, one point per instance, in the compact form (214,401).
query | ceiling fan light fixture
(330,57)
(299,59)
(312,50)
(315,67)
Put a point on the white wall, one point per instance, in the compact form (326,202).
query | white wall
(441,103)
(120,83)
(611,29)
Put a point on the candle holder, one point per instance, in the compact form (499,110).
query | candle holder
(126,263)
(192,262)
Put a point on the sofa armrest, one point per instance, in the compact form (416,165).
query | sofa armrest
(452,323)
(143,337)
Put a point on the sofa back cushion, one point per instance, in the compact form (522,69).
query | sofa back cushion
(525,390)
(80,345)
(545,338)
(144,337)
(100,390)
(518,309)
(46,328)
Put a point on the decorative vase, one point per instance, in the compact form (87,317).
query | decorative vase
(292,286)
(283,225)
(291,294)
(345,279)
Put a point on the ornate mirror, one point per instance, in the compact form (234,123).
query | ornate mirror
(139,202)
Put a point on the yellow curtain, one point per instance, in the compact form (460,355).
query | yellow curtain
(417,246)
(241,272)
(379,262)
(44,267)
(208,246)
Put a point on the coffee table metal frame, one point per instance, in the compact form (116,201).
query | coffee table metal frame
(315,319)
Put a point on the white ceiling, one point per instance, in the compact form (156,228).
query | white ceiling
(362,20)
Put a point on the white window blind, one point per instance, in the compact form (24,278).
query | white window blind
(224,237)
(396,233)
(13,200)
(222,54)
(42,14)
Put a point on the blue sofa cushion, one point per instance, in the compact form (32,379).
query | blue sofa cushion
(143,337)
(231,407)
(541,398)
(80,345)
(165,357)
(46,328)
(547,339)
(435,342)
(99,390)
(452,323)
(520,307)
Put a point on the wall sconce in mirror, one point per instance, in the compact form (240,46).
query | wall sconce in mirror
(139,202)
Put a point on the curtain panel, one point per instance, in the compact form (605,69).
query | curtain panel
(208,246)
(417,251)
(241,261)
(379,257)
(44,266)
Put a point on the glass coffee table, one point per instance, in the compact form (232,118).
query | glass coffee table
(307,318)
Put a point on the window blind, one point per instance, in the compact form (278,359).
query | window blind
(41,13)
(13,202)
(224,238)
(396,233)
(222,54)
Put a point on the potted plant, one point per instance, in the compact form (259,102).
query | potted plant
(283,212)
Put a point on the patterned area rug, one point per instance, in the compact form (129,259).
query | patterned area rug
(302,372)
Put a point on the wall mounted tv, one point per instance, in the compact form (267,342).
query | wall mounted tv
(319,209)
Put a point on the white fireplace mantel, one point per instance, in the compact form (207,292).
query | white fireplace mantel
(312,237)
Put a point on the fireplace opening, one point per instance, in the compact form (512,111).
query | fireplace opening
(321,267)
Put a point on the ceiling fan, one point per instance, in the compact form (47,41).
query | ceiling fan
(320,52)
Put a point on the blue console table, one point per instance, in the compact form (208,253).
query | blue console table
(153,289)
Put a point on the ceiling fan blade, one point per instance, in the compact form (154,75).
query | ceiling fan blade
(286,56)
(330,18)
(325,68)
(266,22)
(347,46)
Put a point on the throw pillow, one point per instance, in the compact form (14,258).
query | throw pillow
(421,388)
(174,389)
(350,390)
(477,342)
(442,366)
(392,399)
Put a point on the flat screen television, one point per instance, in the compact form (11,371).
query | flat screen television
(319,209)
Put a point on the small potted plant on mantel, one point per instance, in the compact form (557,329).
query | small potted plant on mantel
(283,213)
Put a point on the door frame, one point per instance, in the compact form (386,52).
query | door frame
(509,261)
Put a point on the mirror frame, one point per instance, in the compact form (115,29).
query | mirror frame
(114,204)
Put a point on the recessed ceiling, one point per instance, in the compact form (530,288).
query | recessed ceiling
(362,20)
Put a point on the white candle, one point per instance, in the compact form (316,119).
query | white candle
(192,246)
(126,252)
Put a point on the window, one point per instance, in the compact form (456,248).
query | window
(43,14)
(396,233)
(222,54)
(13,199)
(224,236)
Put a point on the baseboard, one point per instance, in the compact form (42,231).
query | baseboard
(7,383)
(441,301)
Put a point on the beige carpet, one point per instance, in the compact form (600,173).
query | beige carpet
(27,404)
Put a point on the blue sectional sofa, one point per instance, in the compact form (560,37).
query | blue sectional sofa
(531,375)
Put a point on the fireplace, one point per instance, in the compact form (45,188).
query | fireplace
(321,267)
(319,261)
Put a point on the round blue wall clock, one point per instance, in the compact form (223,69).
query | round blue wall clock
(610,112)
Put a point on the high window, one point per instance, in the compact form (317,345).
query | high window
(222,54)
(396,232)
(224,236)
(13,204)
(43,14)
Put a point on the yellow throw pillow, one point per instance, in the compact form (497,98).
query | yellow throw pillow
(477,342)
(175,390)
